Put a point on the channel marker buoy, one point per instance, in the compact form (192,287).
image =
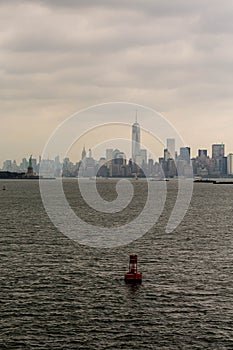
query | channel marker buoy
(133,276)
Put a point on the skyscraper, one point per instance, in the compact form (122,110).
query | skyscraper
(220,162)
(171,148)
(109,154)
(166,154)
(144,156)
(202,153)
(136,148)
(185,153)
(84,153)
(230,164)
(218,150)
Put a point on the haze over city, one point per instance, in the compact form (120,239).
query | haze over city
(60,56)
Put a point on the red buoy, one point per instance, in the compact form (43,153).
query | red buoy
(133,276)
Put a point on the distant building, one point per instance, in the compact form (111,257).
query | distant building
(7,165)
(34,164)
(84,153)
(171,168)
(185,154)
(47,169)
(118,164)
(109,154)
(202,153)
(218,150)
(24,165)
(57,167)
(102,169)
(14,166)
(143,153)
(136,147)
(138,160)
(67,168)
(90,169)
(83,164)
(150,167)
(166,154)
(171,147)
(219,159)
(230,164)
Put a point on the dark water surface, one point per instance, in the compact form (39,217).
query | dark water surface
(56,294)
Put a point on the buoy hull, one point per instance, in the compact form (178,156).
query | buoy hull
(133,278)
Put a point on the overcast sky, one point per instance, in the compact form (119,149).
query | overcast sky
(58,56)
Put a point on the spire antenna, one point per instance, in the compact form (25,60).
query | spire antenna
(136,117)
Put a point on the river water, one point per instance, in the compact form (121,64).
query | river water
(57,294)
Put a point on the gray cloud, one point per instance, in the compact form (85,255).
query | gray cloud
(158,7)
(173,55)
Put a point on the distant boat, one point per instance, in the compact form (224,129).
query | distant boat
(159,179)
(202,180)
(4,188)
(217,182)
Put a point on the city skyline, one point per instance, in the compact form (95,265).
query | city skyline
(170,144)
(116,163)
(215,164)
(135,152)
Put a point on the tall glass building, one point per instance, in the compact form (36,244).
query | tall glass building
(136,148)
